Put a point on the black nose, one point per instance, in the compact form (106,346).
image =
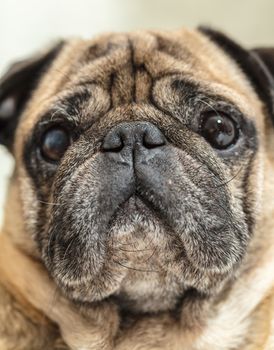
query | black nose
(133,135)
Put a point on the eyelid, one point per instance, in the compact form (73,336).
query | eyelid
(228,109)
(58,114)
(58,121)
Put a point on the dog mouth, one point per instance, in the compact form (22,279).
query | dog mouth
(149,284)
(133,207)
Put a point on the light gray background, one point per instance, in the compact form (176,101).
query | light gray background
(26,25)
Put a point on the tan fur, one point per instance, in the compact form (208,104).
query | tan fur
(33,312)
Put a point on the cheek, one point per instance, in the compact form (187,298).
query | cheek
(30,203)
(256,183)
(247,189)
(21,213)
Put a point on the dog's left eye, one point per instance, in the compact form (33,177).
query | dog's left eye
(219,130)
(55,142)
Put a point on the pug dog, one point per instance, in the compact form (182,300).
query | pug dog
(140,211)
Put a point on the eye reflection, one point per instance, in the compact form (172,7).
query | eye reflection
(219,130)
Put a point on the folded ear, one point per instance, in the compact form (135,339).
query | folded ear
(257,64)
(16,87)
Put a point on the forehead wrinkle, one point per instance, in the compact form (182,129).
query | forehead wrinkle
(153,50)
(101,70)
(120,51)
(139,52)
(114,71)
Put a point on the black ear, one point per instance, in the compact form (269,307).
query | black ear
(257,64)
(16,87)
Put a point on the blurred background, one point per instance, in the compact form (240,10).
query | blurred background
(27,25)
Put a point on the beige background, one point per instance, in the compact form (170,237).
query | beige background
(26,25)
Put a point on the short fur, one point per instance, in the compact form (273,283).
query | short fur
(175,249)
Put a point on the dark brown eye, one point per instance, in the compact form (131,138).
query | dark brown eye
(54,144)
(219,130)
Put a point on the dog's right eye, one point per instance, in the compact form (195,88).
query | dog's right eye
(54,144)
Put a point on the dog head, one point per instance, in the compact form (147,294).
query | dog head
(139,162)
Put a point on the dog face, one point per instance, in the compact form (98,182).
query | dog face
(138,164)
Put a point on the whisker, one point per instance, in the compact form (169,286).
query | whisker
(208,105)
(228,181)
(48,203)
(150,257)
(133,251)
(133,268)
(49,243)
(68,246)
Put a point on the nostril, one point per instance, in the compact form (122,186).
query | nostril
(129,135)
(153,138)
(113,142)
